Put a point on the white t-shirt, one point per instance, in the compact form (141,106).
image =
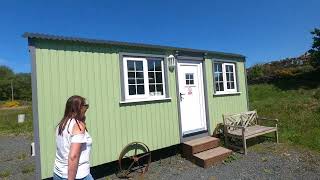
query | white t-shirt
(63,147)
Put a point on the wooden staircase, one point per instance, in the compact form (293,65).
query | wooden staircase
(205,151)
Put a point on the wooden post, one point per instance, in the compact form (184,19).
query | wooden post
(277,135)
(244,141)
(11,91)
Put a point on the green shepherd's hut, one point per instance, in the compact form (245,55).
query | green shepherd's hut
(158,95)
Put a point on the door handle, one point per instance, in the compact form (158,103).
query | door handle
(181,96)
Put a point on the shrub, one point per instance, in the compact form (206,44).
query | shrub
(9,104)
(4,174)
(317,94)
(28,169)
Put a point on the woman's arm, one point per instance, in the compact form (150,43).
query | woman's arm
(75,150)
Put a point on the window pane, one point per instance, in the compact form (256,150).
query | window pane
(221,86)
(228,76)
(160,89)
(217,87)
(191,76)
(217,67)
(131,75)
(139,74)
(220,77)
(187,76)
(229,68)
(228,85)
(191,82)
(231,77)
(140,89)
(158,66)
(131,81)
(187,82)
(216,76)
(139,66)
(140,81)
(151,77)
(130,65)
(159,77)
(232,85)
(152,88)
(150,65)
(132,90)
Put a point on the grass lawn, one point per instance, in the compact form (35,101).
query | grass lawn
(9,121)
(298,111)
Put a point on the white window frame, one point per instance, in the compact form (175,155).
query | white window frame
(146,96)
(224,75)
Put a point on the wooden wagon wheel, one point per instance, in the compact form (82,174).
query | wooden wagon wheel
(135,158)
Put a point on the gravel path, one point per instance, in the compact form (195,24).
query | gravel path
(264,161)
(15,160)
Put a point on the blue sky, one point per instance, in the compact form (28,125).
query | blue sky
(261,30)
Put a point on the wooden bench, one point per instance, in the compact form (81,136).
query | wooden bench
(244,126)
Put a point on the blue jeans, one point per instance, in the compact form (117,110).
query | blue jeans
(56,177)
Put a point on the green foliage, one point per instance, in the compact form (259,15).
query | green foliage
(297,111)
(317,94)
(21,85)
(315,51)
(28,169)
(256,72)
(6,72)
(282,69)
(230,158)
(22,156)
(4,174)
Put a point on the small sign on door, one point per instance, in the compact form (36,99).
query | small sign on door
(189,90)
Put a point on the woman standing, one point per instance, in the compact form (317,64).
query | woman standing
(73,142)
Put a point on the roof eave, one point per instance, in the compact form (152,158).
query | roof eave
(118,43)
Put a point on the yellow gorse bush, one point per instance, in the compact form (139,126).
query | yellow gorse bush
(9,104)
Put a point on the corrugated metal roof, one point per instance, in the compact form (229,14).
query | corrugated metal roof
(118,43)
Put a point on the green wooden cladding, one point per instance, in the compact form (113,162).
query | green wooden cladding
(65,68)
(221,104)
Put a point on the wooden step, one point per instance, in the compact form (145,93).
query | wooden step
(211,156)
(198,145)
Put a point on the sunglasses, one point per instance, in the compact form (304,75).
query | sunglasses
(86,105)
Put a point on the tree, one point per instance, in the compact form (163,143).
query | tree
(21,84)
(5,72)
(315,51)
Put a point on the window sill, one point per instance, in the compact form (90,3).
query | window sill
(144,100)
(227,93)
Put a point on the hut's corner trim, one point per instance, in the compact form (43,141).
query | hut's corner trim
(32,51)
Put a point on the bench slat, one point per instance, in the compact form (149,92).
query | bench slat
(253,131)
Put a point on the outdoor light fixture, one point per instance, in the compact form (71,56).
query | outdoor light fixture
(171,62)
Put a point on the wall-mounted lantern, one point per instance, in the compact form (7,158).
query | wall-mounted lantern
(171,62)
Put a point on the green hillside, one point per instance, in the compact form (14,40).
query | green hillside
(295,104)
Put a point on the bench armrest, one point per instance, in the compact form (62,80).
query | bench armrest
(234,126)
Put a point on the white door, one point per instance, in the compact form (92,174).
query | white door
(191,96)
